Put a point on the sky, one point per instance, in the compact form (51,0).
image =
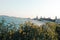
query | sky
(30,8)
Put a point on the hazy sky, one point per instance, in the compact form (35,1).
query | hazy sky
(30,8)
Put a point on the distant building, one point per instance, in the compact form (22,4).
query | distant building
(55,17)
(57,21)
(46,19)
(36,18)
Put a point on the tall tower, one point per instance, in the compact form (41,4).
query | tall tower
(41,17)
(55,17)
(36,17)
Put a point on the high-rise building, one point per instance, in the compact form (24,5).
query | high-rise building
(36,17)
(55,17)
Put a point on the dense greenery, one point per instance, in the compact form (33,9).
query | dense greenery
(29,31)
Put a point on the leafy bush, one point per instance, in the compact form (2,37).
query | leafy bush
(29,31)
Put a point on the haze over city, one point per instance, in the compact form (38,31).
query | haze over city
(30,8)
(29,19)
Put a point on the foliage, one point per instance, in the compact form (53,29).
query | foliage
(29,31)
